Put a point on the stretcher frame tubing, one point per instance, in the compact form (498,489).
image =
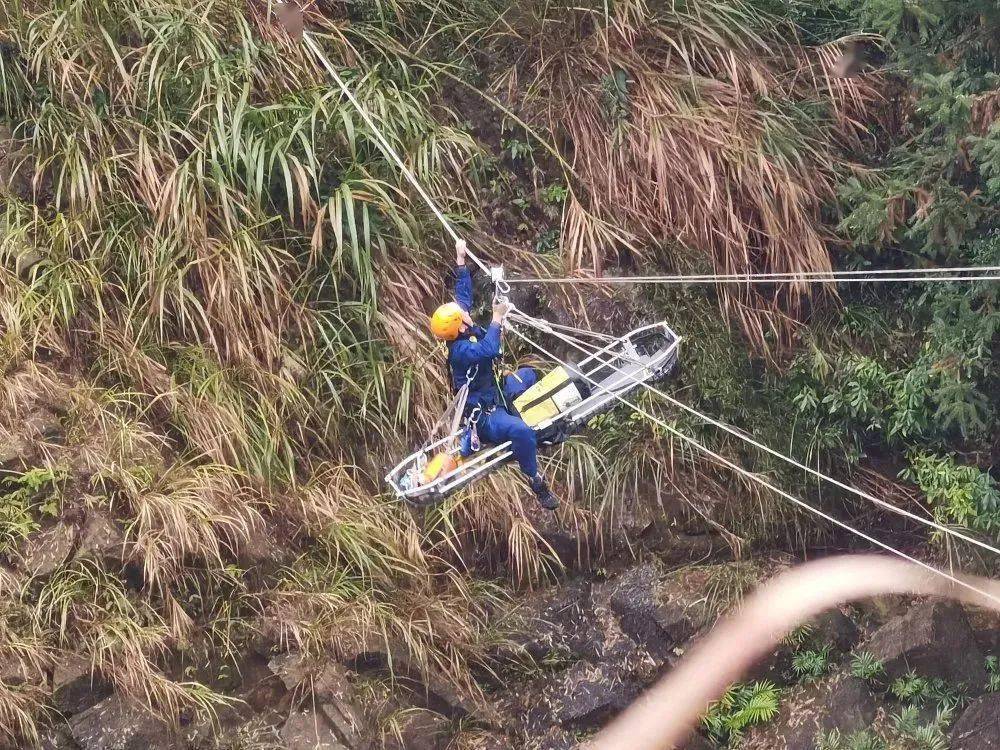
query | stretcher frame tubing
(492,457)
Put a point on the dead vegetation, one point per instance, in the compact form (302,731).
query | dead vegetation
(684,124)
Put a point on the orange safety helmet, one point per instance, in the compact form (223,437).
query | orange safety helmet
(446,322)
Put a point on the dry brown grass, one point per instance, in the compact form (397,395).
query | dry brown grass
(190,512)
(25,659)
(725,138)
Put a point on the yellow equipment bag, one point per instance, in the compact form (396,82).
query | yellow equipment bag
(548,398)
(442,463)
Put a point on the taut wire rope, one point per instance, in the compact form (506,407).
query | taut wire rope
(753,477)
(581,346)
(386,146)
(884,275)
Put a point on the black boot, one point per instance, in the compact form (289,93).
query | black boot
(545,497)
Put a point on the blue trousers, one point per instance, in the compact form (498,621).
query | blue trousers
(500,425)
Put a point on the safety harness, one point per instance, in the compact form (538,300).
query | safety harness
(470,442)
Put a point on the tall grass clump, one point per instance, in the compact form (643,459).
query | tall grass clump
(211,278)
(703,124)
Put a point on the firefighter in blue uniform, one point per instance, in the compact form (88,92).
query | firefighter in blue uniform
(472,356)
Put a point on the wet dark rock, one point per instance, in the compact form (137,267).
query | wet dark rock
(202,731)
(989,640)
(588,695)
(934,640)
(347,721)
(57,737)
(561,540)
(697,742)
(555,739)
(309,730)
(482,742)
(832,628)
(978,728)
(836,628)
(99,537)
(849,705)
(673,548)
(48,549)
(437,691)
(96,536)
(327,686)
(658,626)
(74,686)
(421,730)
(9,454)
(114,724)
(321,678)
(571,623)
(15,671)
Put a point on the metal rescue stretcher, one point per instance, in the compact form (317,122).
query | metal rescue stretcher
(558,406)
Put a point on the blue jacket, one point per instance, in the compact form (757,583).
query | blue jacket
(473,352)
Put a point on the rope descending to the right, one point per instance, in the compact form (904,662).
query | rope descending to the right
(880,275)
(748,474)
(582,347)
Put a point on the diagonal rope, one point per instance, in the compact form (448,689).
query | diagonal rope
(735,432)
(754,477)
(959,273)
(386,147)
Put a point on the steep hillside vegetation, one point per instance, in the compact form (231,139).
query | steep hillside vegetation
(213,293)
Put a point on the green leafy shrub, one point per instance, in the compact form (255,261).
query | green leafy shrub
(860,740)
(519,150)
(548,241)
(811,664)
(741,707)
(918,691)
(916,735)
(866,666)
(993,670)
(30,494)
(800,636)
(910,687)
(958,494)
(554,194)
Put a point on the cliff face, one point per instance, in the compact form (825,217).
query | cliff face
(892,672)
(212,288)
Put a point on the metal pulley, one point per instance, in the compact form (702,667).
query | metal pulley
(501,289)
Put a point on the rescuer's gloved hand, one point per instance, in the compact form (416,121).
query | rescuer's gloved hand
(500,310)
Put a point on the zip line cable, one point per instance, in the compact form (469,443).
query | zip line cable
(884,275)
(386,146)
(735,432)
(755,478)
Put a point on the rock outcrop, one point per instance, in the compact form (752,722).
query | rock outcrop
(978,728)
(306,729)
(115,724)
(933,639)
(660,626)
(840,702)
